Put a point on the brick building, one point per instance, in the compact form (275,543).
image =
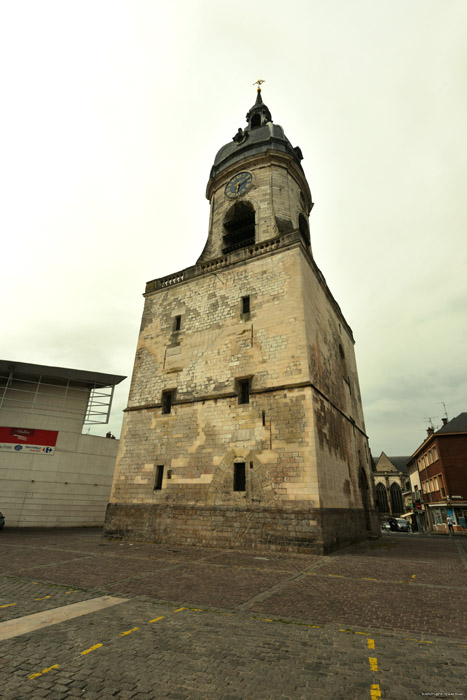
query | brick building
(438,473)
(244,426)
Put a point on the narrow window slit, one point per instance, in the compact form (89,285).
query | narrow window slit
(167,398)
(239,476)
(243,391)
(159,477)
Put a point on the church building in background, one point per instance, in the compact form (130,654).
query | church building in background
(244,426)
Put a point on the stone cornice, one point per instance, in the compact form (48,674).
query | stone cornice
(253,392)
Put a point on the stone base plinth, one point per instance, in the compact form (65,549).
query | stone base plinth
(288,529)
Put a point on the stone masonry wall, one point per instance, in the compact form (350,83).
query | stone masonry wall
(298,529)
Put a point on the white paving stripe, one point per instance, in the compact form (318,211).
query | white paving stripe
(31,623)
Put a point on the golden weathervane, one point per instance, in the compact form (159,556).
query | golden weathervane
(259,83)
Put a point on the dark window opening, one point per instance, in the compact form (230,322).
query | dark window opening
(381,499)
(239,476)
(239,227)
(344,370)
(177,323)
(246,305)
(167,399)
(159,477)
(396,498)
(304,229)
(256,121)
(263,415)
(243,391)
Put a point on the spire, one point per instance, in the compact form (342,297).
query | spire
(259,114)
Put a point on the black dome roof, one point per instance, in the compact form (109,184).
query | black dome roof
(261,135)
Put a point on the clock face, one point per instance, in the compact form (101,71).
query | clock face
(239,184)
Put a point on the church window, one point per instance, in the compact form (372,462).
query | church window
(177,323)
(246,305)
(159,477)
(167,399)
(381,498)
(239,476)
(243,390)
(239,227)
(396,498)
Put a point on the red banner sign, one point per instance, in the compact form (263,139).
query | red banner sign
(28,440)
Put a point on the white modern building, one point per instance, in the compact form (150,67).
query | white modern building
(51,474)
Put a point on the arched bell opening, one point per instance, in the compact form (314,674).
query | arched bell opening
(304,229)
(239,227)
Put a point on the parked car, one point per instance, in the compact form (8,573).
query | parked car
(2,520)
(403,525)
(385,526)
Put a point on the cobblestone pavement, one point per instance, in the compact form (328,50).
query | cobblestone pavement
(384,619)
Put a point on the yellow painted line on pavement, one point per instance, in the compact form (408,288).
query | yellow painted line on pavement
(156,619)
(371,644)
(88,651)
(179,610)
(8,605)
(37,621)
(369,579)
(44,598)
(373,663)
(261,619)
(375,692)
(335,576)
(45,670)
(419,641)
(123,634)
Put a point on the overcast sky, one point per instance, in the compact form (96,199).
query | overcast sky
(112,113)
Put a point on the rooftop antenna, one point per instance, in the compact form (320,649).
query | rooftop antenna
(445,412)
(431,428)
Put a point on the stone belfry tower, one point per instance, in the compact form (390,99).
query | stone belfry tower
(244,426)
